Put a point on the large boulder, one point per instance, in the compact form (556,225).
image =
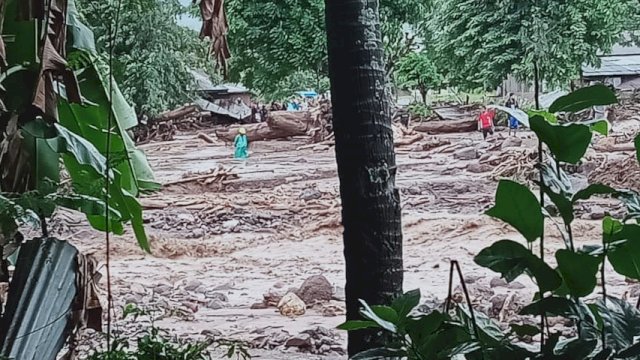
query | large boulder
(291,305)
(315,289)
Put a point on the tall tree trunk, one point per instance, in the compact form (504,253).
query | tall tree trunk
(366,160)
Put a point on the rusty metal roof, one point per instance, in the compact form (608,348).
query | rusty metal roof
(36,321)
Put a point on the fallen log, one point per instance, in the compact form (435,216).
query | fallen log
(408,140)
(178,113)
(447,126)
(280,124)
(206,138)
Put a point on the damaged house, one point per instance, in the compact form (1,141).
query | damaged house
(620,68)
(226,103)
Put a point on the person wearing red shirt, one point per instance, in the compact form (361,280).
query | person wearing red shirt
(485,122)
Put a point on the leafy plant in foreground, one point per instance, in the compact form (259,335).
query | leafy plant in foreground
(606,328)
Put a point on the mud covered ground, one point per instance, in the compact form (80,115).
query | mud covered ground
(265,225)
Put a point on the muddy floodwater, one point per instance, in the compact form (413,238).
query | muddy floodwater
(231,237)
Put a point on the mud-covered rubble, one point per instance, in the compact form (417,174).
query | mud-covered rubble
(318,340)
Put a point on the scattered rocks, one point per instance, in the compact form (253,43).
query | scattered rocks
(291,305)
(516,286)
(315,289)
(138,289)
(468,153)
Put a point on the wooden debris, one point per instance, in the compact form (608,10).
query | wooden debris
(206,138)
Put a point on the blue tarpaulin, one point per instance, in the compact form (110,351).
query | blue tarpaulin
(307,94)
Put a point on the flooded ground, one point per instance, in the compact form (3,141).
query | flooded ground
(266,225)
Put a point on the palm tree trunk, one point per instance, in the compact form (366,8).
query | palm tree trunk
(366,160)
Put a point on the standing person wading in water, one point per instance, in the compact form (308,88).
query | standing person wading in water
(485,122)
(241,144)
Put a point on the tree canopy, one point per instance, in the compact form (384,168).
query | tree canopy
(480,43)
(274,39)
(153,54)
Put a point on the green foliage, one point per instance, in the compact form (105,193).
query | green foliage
(77,133)
(606,328)
(417,71)
(420,109)
(273,40)
(298,81)
(152,54)
(480,43)
(524,215)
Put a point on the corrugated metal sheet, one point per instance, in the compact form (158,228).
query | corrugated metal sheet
(234,110)
(36,321)
(624,65)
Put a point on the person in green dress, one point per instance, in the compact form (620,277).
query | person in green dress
(241,144)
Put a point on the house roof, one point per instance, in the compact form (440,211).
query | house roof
(234,110)
(614,65)
(203,83)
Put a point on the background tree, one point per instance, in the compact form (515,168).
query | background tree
(479,43)
(366,160)
(417,71)
(272,40)
(153,54)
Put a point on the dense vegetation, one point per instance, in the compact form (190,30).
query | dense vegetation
(152,53)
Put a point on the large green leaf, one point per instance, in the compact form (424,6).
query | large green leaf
(552,306)
(518,114)
(357,325)
(423,327)
(380,354)
(517,206)
(370,314)
(584,98)
(593,189)
(87,205)
(625,258)
(80,148)
(406,302)
(621,322)
(637,144)
(80,37)
(92,122)
(511,259)
(568,143)
(578,271)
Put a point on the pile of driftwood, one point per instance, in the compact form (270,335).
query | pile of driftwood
(164,126)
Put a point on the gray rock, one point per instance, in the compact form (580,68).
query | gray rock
(185,217)
(197,233)
(310,194)
(193,285)
(315,289)
(468,153)
(215,304)
(217,296)
(498,282)
(163,289)
(478,168)
(516,286)
(132,299)
(230,225)
(299,341)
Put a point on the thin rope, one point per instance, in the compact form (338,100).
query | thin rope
(113,33)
